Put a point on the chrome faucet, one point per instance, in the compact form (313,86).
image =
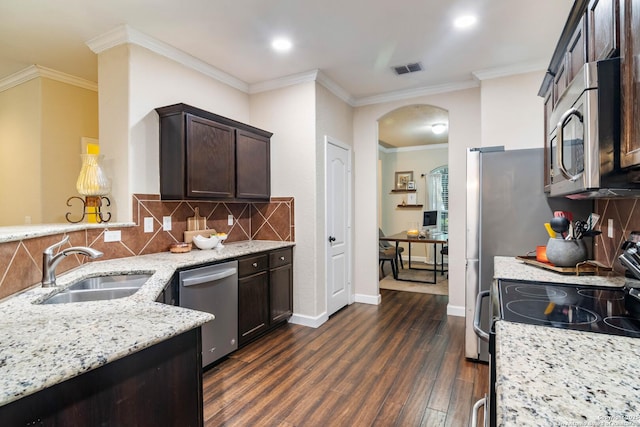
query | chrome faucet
(51,261)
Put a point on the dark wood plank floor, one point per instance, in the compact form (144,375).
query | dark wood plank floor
(397,364)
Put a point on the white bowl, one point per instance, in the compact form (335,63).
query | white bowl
(202,242)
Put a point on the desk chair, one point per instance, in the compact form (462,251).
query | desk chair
(444,251)
(384,245)
(388,254)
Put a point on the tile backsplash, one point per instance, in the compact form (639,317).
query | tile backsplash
(625,216)
(21,261)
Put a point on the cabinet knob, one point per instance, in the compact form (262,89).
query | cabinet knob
(281,258)
(255,264)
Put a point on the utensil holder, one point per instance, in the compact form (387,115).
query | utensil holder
(566,253)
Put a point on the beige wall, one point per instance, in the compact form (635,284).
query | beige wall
(464,131)
(290,114)
(512,113)
(42,122)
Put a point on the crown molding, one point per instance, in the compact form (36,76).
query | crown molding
(294,79)
(309,76)
(413,93)
(494,73)
(125,34)
(412,148)
(35,71)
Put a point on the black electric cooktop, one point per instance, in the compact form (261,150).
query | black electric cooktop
(584,308)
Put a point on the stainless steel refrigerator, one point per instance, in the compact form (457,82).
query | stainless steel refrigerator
(506,212)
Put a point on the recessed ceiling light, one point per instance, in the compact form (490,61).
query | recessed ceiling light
(465,21)
(438,128)
(281,44)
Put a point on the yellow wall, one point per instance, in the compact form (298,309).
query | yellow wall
(20,127)
(68,113)
(41,124)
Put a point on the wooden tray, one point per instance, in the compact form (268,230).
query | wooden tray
(586,267)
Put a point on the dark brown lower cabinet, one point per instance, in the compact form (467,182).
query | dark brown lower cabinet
(265,293)
(157,386)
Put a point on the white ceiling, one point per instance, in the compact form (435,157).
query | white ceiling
(353,42)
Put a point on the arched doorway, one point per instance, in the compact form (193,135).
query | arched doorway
(412,142)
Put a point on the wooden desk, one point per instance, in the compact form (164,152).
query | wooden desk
(402,237)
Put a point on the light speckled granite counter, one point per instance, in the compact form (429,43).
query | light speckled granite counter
(555,377)
(42,345)
(558,377)
(511,268)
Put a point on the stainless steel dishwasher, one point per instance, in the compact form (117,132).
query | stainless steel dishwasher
(213,289)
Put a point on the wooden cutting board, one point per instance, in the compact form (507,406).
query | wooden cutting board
(196,222)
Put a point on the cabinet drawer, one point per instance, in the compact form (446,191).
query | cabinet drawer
(252,265)
(280,257)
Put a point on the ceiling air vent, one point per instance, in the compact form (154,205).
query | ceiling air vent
(409,68)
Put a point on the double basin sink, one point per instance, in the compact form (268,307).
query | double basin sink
(100,288)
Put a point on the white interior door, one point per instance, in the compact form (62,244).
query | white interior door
(338,195)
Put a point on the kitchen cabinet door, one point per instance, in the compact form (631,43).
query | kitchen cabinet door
(210,158)
(253,171)
(253,306)
(280,285)
(576,52)
(604,29)
(207,156)
(630,82)
(281,298)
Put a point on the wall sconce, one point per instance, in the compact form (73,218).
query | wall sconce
(438,128)
(94,186)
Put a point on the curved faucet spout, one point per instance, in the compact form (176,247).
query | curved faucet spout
(51,261)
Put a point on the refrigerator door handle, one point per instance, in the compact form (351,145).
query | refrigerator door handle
(484,336)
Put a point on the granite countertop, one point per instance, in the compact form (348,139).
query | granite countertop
(555,377)
(511,268)
(42,345)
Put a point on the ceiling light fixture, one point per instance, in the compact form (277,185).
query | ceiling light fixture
(465,21)
(438,128)
(281,44)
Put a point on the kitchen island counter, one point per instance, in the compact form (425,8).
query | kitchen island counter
(43,345)
(554,377)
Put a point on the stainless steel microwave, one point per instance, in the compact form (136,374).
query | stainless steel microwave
(584,145)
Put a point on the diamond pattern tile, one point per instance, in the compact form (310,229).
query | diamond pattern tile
(625,214)
(20,262)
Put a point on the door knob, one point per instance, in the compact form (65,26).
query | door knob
(332,239)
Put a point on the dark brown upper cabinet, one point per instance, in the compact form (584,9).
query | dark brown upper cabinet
(630,82)
(207,156)
(604,29)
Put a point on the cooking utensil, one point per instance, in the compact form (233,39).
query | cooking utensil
(550,231)
(559,224)
(579,229)
(563,214)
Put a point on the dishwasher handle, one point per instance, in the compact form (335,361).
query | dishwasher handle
(206,278)
(484,336)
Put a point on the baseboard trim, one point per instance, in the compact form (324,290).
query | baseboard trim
(368,299)
(313,322)
(455,310)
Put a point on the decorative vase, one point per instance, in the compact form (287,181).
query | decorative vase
(566,253)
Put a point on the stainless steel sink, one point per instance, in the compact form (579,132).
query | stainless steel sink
(99,288)
(111,282)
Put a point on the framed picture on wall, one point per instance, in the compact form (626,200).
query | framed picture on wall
(412,199)
(403,179)
(411,185)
